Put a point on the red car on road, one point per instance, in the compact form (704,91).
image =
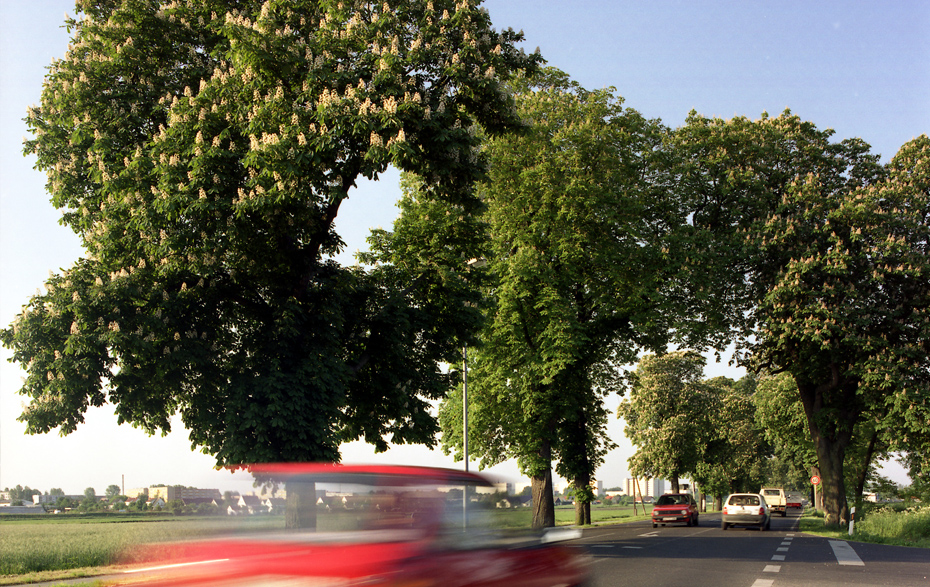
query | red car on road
(375,526)
(673,508)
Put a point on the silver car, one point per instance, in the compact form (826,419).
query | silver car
(746,509)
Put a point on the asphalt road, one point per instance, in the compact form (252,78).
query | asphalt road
(706,556)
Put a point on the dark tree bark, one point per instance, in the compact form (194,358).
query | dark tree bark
(300,511)
(543,507)
(582,505)
(831,433)
(863,473)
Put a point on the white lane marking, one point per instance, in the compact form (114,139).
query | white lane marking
(602,546)
(778,557)
(781,550)
(650,535)
(763,583)
(772,569)
(845,555)
(785,544)
(790,535)
(634,547)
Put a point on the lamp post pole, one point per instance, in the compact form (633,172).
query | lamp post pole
(465,403)
(465,431)
(471,263)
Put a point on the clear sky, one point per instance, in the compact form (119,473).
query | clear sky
(860,68)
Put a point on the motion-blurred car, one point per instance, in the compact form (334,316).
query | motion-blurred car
(674,508)
(375,526)
(746,509)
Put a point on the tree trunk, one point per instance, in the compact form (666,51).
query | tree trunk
(674,482)
(582,505)
(830,454)
(300,509)
(863,474)
(541,483)
(831,435)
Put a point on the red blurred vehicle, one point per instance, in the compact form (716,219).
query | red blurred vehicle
(375,526)
(674,508)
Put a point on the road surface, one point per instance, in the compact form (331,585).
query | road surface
(706,556)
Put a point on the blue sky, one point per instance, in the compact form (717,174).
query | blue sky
(860,68)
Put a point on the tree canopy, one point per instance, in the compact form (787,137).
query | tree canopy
(668,415)
(202,150)
(820,254)
(571,288)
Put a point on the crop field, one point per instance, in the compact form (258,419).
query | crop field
(54,543)
(36,544)
(57,543)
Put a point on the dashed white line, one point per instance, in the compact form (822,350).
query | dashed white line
(778,557)
(772,569)
(763,583)
(845,555)
(782,549)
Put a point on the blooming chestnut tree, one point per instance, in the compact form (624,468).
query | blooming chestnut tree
(202,151)
(847,313)
(814,257)
(669,415)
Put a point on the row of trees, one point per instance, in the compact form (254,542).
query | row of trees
(610,234)
(202,151)
(730,436)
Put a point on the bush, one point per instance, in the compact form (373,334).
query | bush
(896,523)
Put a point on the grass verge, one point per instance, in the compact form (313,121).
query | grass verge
(65,577)
(58,548)
(895,525)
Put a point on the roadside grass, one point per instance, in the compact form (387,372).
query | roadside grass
(565,516)
(896,525)
(58,547)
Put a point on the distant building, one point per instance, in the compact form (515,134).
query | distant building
(505,488)
(41,499)
(648,487)
(250,503)
(275,505)
(170,492)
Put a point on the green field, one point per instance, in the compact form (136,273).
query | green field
(34,544)
(56,543)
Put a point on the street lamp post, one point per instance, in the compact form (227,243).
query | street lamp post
(465,431)
(472,263)
(465,404)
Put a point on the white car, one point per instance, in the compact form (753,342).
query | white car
(746,509)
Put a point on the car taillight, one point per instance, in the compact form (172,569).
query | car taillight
(724,510)
(761,511)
